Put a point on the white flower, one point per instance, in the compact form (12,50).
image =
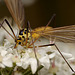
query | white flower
(26,57)
(72,59)
(52,55)
(5,58)
(45,61)
(27,60)
(15,59)
(33,63)
(66,55)
(25,63)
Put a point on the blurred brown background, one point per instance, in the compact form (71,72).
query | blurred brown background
(40,12)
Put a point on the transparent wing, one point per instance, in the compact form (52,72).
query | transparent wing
(17,11)
(65,34)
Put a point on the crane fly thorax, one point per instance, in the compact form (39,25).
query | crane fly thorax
(37,32)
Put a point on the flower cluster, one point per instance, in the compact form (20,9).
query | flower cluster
(23,57)
(26,58)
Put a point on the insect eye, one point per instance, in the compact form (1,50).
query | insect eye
(21,32)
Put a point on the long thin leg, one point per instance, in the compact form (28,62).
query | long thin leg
(9,27)
(44,29)
(26,36)
(6,31)
(43,45)
(50,20)
(33,45)
(60,54)
(64,59)
(33,42)
(46,45)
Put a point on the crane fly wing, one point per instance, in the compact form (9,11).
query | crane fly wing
(17,11)
(65,34)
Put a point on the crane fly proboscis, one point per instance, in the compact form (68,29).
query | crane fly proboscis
(28,37)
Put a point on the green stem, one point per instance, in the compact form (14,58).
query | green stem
(11,72)
(27,71)
(0,71)
(39,68)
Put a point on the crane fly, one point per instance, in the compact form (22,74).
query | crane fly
(26,36)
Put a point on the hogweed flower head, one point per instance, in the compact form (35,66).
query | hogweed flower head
(26,60)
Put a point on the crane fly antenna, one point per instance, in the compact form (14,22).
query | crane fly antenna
(64,58)
(9,27)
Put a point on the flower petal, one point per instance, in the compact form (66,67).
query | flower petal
(3,53)
(33,63)
(66,55)
(7,60)
(45,61)
(8,63)
(25,63)
(19,64)
(52,55)
(2,65)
